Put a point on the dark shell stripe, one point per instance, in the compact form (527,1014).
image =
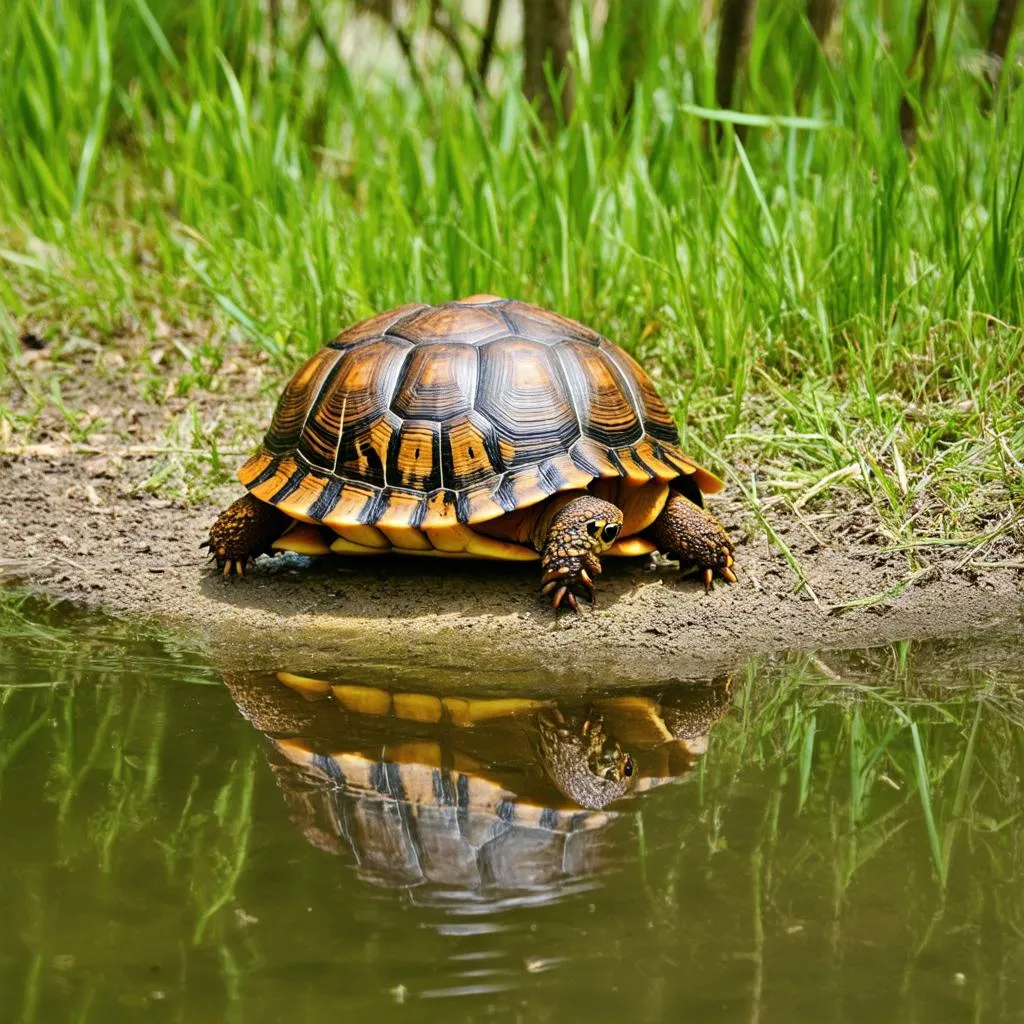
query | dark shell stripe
(429,416)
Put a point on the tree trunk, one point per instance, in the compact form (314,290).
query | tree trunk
(921,65)
(547,42)
(821,14)
(487,42)
(999,38)
(735,33)
(636,24)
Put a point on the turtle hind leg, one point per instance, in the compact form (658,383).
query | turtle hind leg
(245,529)
(692,534)
(578,533)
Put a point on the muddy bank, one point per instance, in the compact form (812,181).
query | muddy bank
(84,520)
(139,555)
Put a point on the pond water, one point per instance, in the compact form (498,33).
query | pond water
(814,838)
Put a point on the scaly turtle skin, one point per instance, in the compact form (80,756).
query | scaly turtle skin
(481,795)
(486,428)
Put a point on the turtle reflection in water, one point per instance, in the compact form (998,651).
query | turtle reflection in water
(482,796)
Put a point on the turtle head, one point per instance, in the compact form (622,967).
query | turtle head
(580,530)
(583,761)
(611,763)
(587,525)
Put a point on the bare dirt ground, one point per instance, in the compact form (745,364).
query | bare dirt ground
(88,516)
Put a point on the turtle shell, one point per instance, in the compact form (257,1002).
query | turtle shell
(440,792)
(428,416)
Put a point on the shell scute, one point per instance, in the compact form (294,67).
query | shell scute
(562,474)
(375,326)
(521,392)
(600,395)
(469,324)
(415,463)
(657,420)
(596,459)
(354,395)
(353,505)
(297,399)
(479,504)
(437,382)
(440,510)
(470,452)
(274,477)
(400,508)
(366,454)
(545,327)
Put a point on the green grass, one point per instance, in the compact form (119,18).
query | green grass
(820,308)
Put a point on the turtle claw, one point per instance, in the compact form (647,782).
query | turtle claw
(226,566)
(724,572)
(561,587)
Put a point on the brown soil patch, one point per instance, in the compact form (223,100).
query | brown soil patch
(79,524)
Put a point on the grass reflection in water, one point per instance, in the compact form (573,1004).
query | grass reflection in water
(849,842)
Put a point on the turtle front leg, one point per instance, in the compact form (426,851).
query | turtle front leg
(579,532)
(245,529)
(693,535)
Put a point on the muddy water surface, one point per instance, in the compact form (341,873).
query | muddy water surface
(808,838)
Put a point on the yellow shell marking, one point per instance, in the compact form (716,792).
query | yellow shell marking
(311,689)
(365,700)
(465,712)
(305,539)
(417,707)
(631,547)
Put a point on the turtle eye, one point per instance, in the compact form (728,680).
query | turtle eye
(593,525)
(610,532)
(627,767)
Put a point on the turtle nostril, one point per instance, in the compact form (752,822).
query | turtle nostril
(610,532)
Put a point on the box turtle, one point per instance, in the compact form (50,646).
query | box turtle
(484,428)
(484,795)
